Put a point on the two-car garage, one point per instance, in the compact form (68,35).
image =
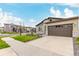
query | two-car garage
(66,27)
(60,30)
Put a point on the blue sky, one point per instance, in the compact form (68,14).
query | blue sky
(31,13)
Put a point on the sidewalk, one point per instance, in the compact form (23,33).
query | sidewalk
(7,52)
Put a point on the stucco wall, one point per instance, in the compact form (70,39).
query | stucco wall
(7,28)
(42,29)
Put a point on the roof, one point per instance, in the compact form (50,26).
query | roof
(63,19)
(58,19)
(18,25)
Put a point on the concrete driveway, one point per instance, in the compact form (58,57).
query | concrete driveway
(23,49)
(59,45)
(45,46)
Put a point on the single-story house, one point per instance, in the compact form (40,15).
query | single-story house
(52,26)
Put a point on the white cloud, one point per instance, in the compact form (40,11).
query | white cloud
(70,4)
(7,17)
(17,20)
(0,9)
(52,11)
(73,4)
(68,12)
(57,13)
(31,22)
(1,13)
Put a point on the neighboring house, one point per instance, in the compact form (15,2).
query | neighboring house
(1,29)
(30,29)
(11,28)
(33,30)
(16,28)
(52,26)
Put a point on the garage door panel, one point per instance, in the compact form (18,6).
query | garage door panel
(60,30)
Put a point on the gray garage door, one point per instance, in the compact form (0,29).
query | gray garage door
(60,30)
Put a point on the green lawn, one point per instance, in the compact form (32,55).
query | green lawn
(77,40)
(3,44)
(25,38)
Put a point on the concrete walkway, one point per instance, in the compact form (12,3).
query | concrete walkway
(22,49)
(7,52)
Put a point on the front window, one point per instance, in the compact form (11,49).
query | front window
(39,29)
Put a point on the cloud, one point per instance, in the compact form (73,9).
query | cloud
(7,17)
(73,4)
(0,9)
(1,13)
(68,12)
(70,4)
(52,11)
(57,13)
(31,22)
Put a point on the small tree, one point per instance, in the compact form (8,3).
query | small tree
(20,31)
(31,31)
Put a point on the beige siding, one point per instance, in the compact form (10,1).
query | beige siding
(41,29)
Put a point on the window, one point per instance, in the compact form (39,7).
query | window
(39,29)
(59,26)
(50,20)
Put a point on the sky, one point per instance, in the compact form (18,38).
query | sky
(30,14)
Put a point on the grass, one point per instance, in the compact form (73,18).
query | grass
(3,44)
(25,38)
(8,32)
(77,40)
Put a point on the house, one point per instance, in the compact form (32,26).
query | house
(16,28)
(1,29)
(52,26)
(11,28)
(30,30)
